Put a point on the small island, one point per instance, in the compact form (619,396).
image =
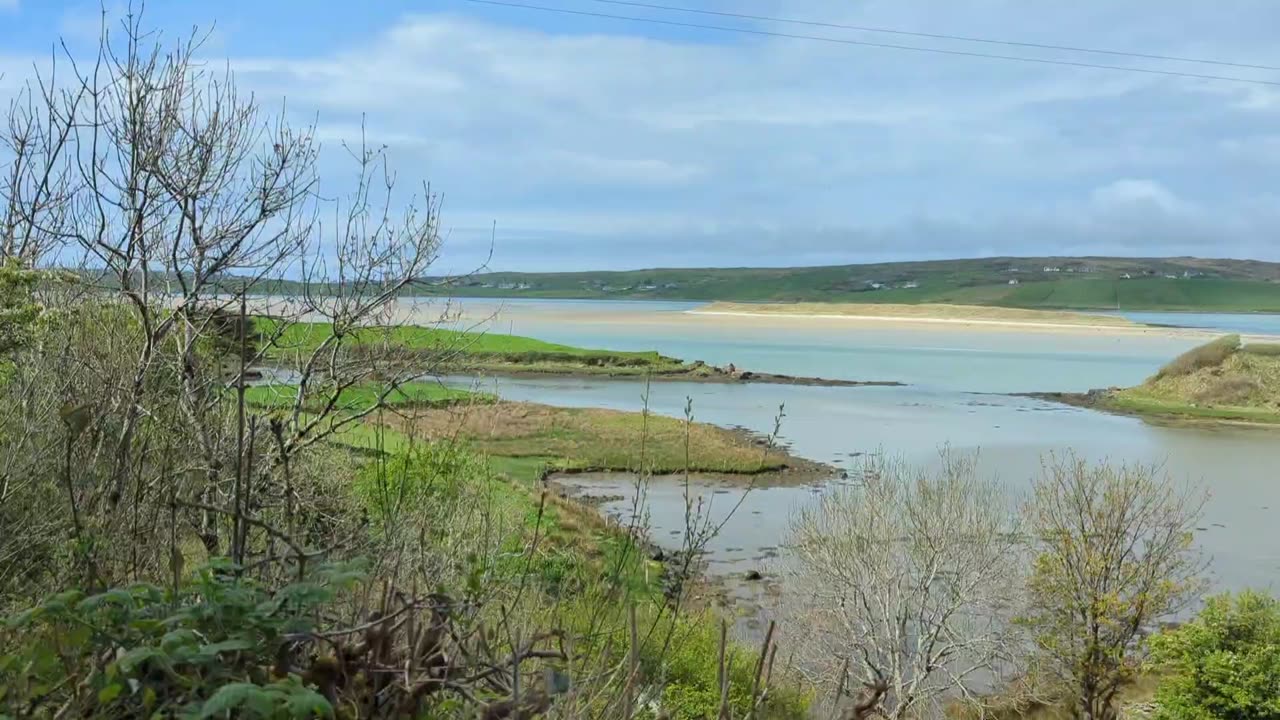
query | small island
(441,351)
(1221,382)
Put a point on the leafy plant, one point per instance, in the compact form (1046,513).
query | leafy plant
(1223,664)
(222,644)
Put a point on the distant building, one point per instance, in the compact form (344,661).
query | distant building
(1052,269)
(1126,276)
(910,285)
(876,285)
(1013,281)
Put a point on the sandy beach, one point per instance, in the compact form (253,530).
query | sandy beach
(946,316)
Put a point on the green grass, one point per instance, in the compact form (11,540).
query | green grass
(1140,404)
(418,394)
(455,350)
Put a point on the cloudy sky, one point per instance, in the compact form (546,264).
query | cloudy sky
(601,143)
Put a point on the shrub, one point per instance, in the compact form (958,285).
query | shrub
(1211,354)
(1223,664)
(220,645)
(1228,391)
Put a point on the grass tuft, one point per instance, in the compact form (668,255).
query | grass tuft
(1211,354)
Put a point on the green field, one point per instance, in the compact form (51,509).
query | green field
(450,350)
(410,394)
(1189,284)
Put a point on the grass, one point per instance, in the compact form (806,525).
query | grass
(447,350)
(526,435)
(357,397)
(1211,354)
(1216,381)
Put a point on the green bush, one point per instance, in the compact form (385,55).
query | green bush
(1211,354)
(1223,664)
(218,646)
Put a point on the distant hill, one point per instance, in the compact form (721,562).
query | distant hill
(1072,283)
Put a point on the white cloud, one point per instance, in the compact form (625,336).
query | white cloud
(619,138)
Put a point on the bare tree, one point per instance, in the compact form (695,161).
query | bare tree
(903,582)
(1115,555)
(181,202)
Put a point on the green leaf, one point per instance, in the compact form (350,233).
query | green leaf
(135,657)
(306,703)
(230,697)
(109,693)
(174,639)
(115,596)
(212,650)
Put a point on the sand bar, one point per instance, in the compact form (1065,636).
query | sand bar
(955,316)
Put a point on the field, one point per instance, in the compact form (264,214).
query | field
(597,439)
(1189,284)
(411,394)
(439,349)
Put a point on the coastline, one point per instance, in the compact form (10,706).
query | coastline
(745,377)
(942,324)
(1099,401)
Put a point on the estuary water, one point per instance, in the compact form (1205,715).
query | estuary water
(957,389)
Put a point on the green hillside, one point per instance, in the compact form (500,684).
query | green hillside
(1049,283)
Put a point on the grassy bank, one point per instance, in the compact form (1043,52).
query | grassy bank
(452,350)
(439,351)
(1221,381)
(527,438)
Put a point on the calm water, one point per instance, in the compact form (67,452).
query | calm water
(954,379)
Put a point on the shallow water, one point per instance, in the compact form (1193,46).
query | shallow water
(955,377)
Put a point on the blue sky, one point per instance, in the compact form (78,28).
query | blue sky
(595,143)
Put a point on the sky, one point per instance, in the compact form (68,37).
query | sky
(570,142)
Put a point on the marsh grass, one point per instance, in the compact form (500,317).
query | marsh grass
(1211,354)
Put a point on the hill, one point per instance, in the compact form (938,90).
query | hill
(1067,283)
(1220,381)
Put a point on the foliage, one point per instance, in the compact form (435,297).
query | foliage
(1114,556)
(18,308)
(1223,664)
(219,644)
(1211,354)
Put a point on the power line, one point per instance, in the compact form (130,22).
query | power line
(937,36)
(887,46)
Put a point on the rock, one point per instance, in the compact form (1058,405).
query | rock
(753,575)
(658,555)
